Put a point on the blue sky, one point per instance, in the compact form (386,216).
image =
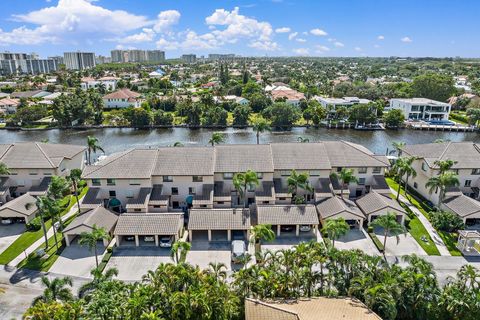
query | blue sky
(251,28)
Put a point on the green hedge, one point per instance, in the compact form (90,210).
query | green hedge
(376,241)
(459,117)
(105,260)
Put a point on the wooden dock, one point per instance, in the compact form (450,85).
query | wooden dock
(441,127)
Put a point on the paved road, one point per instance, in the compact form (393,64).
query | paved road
(442,248)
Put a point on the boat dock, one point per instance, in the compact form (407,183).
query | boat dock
(441,127)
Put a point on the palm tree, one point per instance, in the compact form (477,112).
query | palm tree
(298,181)
(442,183)
(42,207)
(346,177)
(259,233)
(55,290)
(98,278)
(397,146)
(179,251)
(335,228)
(244,182)
(408,171)
(444,165)
(90,239)
(4,169)
(93,145)
(390,226)
(218,270)
(58,187)
(260,126)
(399,168)
(74,178)
(216,138)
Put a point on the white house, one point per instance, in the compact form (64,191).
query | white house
(232,98)
(110,83)
(122,98)
(332,103)
(421,109)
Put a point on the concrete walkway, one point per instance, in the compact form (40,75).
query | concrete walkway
(442,248)
(41,241)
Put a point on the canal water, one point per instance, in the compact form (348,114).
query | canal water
(114,140)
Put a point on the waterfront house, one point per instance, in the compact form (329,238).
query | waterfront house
(421,109)
(122,98)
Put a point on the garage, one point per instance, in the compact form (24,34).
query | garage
(374,205)
(218,224)
(466,208)
(148,229)
(21,209)
(100,217)
(289,219)
(335,207)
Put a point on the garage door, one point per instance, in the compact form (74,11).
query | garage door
(219,235)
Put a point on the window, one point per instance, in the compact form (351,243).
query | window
(174,190)
(137,210)
(285,173)
(282,198)
(47,174)
(314,173)
(191,190)
(475,171)
(134,183)
(112,193)
(362,170)
(33,173)
(424,166)
(260,175)
(377,169)
(361,181)
(156,207)
(175,204)
(220,202)
(110,182)
(339,169)
(415,185)
(468,183)
(197,179)
(167,179)
(227,175)
(96,182)
(203,206)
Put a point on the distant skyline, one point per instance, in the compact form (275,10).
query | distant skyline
(414,28)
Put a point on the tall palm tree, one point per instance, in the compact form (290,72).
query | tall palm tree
(298,181)
(98,278)
(259,233)
(243,182)
(444,165)
(260,126)
(408,171)
(4,169)
(90,239)
(179,251)
(397,146)
(55,290)
(442,183)
(42,207)
(57,188)
(93,145)
(346,177)
(390,226)
(399,169)
(216,138)
(74,178)
(335,228)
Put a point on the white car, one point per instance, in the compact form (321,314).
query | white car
(305,228)
(238,250)
(7,221)
(149,238)
(166,242)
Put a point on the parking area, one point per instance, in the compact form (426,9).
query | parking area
(406,244)
(288,240)
(77,260)
(9,233)
(133,262)
(204,252)
(357,239)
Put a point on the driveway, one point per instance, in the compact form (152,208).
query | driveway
(357,239)
(133,262)
(10,233)
(288,241)
(406,245)
(77,260)
(204,252)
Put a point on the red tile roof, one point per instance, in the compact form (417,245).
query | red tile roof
(124,94)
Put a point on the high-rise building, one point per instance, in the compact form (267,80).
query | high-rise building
(102,59)
(22,63)
(189,58)
(137,55)
(217,56)
(58,59)
(79,60)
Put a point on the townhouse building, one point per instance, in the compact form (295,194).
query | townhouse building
(463,200)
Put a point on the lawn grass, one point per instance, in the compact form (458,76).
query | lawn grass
(450,239)
(29,237)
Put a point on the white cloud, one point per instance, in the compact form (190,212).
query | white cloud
(338,44)
(321,49)
(301,40)
(301,51)
(282,30)
(165,20)
(358,49)
(406,39)
(318,32)
(146,35)
(380,37)
(264,45)
(292,35)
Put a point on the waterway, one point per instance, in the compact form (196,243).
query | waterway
(114,140)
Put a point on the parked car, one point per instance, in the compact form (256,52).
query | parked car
(286,228)
(305,228)
(166,242)
(149,238)
(238,250)
(7,221)
(129,238)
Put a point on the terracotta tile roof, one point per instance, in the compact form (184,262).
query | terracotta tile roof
(124,94)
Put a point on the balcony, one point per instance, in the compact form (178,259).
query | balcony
(266,194)
(140,202)
(204,200)
(91,200)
